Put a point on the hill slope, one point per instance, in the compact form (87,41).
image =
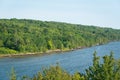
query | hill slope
(23,35)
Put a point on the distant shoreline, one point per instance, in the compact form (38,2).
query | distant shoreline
(38,53)
(45,53)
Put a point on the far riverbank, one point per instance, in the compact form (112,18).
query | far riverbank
(39,53)
(47,52)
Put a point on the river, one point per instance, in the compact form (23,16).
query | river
(72,61)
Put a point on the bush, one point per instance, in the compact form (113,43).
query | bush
(7,51)
(108,70)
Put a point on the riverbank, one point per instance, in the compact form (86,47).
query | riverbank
(45,53)
(33,53)
(39,53)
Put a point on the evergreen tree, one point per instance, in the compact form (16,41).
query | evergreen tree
(108,70)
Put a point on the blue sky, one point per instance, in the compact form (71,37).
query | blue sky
(104,13)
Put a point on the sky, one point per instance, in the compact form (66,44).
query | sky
(104,13)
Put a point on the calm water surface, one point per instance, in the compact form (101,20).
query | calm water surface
(71,61)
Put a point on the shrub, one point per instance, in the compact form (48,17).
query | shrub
(7,51)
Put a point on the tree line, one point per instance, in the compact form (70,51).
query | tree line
(24,35)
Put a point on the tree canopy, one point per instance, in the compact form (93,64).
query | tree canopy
(24,35)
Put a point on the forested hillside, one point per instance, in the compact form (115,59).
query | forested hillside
(23,35)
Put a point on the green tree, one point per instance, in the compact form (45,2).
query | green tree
(108,70)
(24,35)
(50,44)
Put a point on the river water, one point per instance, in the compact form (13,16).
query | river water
(72,61)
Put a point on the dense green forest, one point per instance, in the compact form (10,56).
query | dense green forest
(109,69)
(24,35)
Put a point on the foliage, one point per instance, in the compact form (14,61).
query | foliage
(109,69)
(7,50)
(24,35)
(53,73)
